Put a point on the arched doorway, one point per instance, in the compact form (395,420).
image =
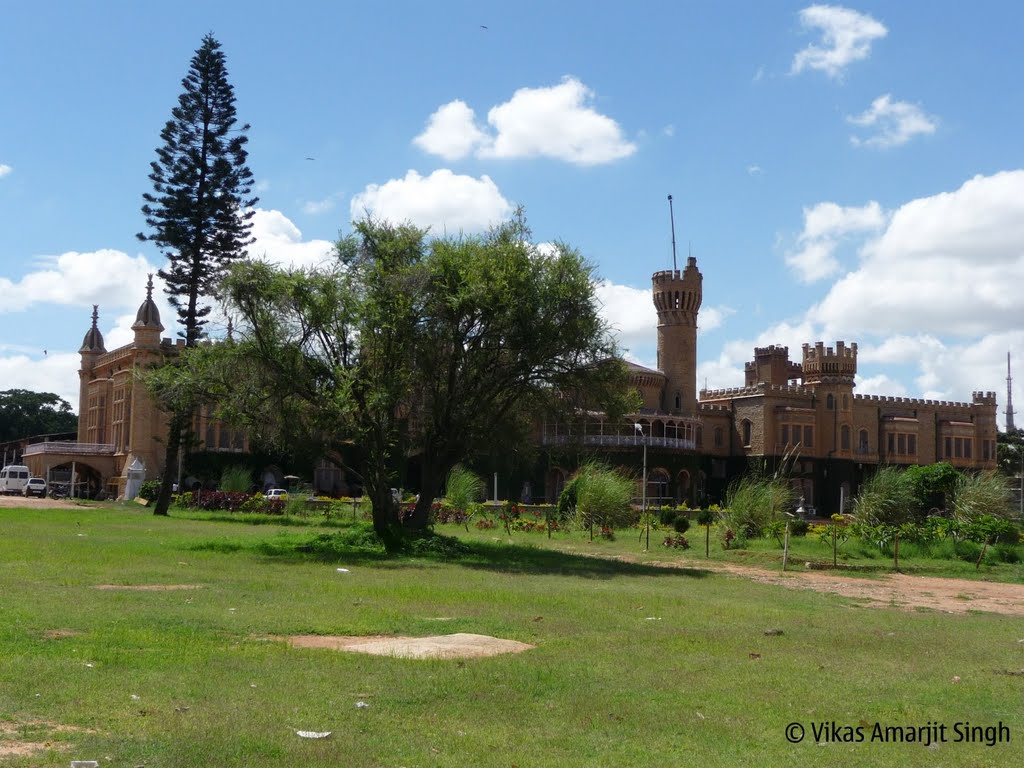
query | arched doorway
(554,484)
(683,490)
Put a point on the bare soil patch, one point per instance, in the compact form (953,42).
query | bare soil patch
(60,634)
(461,645)
(34,502)
(894,590)
(148,587)
(12,745)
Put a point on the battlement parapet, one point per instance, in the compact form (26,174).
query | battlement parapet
(772,350)
(913,401)
(757,389)
(733,391)
(819,351)
(983,398)
(713,408)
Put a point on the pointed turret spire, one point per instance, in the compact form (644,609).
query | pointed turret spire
(148,315)
(93,341)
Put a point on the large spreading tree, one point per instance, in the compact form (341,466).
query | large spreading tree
(199,213)
(409,346)
(24,413)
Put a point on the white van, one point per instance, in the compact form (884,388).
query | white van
(13,478)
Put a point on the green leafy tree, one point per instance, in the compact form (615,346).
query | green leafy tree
(933,487)
(507,328)
(406,346)
(24,413)
(199,213)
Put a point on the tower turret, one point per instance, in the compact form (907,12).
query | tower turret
(147,325)
(91,349)
(677,297)
(823,365)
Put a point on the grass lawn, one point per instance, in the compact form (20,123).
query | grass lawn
(634,665)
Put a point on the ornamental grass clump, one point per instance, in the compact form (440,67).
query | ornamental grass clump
(463,492)
(602,498)
(236,479)
(753,503)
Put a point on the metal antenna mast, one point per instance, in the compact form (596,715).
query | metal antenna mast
(672,218)
(1009,396)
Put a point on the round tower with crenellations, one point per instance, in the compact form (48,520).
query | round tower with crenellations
(677,297)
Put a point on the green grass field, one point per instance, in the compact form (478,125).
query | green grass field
(634,665)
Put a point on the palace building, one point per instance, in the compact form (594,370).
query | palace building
(804,412)
(120,428)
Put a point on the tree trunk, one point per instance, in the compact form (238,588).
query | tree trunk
(174,432)
(430,484)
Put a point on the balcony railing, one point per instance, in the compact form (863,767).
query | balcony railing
(678,443)
(70,448)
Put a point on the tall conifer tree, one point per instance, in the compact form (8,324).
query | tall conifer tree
(199,212)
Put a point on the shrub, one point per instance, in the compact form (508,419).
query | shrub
(681,524)
(676,542)
(798,527)
(150,490)
(667,516)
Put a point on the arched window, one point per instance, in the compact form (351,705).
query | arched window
(746,432)
(830,402)
(844,438)
(718,437)
(862,441)
(679,401)
(657,486)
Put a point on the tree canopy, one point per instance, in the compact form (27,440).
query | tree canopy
(412,346)
(24,413)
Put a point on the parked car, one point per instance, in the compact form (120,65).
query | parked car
(277,493)
(35,486)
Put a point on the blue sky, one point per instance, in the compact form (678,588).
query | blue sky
(840,171)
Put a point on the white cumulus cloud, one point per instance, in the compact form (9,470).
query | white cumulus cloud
(894,123)
(4,170)
(945,264)
(846,37)
(107,277)
(444,201)
(556,121)
(826,225)
(280,242)
(452,132)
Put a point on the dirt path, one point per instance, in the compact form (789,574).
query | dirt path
(34,502)
(894,590)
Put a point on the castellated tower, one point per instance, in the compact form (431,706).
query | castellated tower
(677,297)
(832,368)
